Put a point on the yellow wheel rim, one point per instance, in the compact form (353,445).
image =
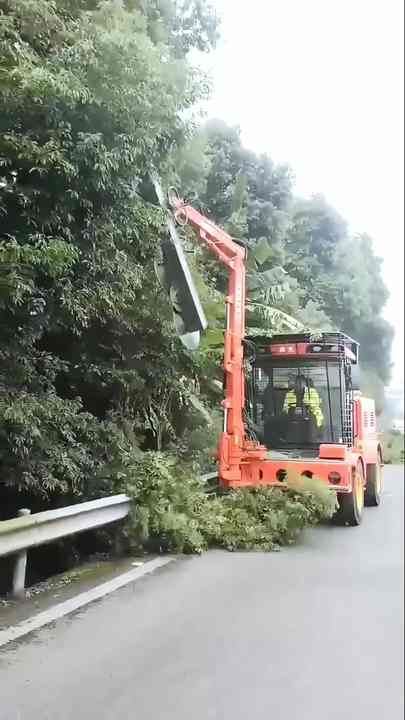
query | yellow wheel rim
(359,489)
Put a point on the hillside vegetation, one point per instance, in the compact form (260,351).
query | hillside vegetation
(93,380)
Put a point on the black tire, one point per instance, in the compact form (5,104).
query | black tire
(374,484)
(351,505)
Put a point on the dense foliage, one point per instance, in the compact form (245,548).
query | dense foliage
(93,93)
(174,512)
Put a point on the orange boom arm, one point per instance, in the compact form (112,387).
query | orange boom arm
(235,448)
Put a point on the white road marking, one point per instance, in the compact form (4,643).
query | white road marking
(65,608)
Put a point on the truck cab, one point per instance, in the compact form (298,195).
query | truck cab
(304,405)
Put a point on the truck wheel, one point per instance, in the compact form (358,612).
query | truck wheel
(351,505)
(374,483)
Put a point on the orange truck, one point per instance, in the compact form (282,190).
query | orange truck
(291,403)
(304,405)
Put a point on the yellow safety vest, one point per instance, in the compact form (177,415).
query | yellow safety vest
(311,400)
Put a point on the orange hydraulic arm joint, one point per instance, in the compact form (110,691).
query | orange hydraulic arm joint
(235,449)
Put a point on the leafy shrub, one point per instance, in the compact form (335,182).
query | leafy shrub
(268,518)
(200,443)
(168,503)
(51,448)
(172,510)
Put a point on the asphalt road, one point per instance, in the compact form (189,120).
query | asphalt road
(312,632)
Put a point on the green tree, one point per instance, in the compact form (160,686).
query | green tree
(313,237)
(341,274)
(355,299)
(250,197)
(91,94)
(305,270)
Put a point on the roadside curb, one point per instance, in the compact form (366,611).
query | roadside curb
(60,610)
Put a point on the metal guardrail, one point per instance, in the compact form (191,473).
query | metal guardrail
(28,531)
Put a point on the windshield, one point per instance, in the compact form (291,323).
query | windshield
(298,406)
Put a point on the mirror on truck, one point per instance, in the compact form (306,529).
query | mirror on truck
(353,377)
(356,378)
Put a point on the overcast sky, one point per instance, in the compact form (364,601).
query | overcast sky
(319,84)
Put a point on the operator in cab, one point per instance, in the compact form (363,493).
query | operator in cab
(302,394)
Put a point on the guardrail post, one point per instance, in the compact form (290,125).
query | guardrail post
(20,566)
